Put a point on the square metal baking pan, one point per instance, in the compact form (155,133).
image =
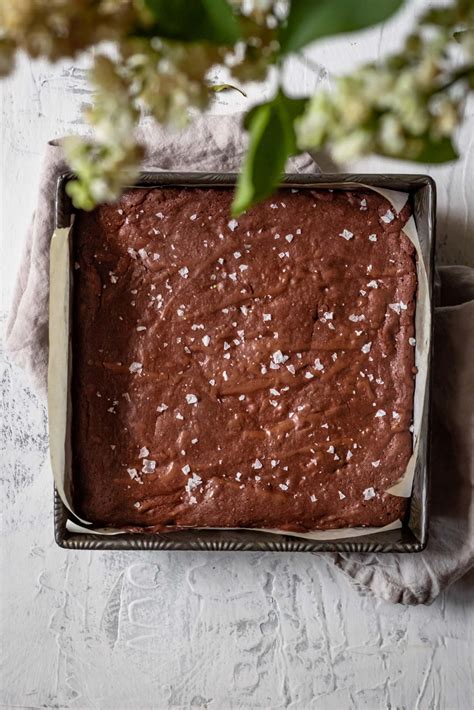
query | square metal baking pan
(412,537)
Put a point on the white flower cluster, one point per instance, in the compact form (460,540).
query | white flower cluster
(169,78)
(408,105)
(105,165)
(400,107)
(59,28)
(152,75)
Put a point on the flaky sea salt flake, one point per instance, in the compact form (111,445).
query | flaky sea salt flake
(278,357)
(134,475)
(398,307)
(193,482)
(346,234)
(148,466)
(388,217)
(368,493)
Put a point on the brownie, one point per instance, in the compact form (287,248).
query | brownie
(250,372)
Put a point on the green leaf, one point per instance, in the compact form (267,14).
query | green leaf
(272,141)
(226,87)
(440,150)
(194,20)
(294,108)
(309,20)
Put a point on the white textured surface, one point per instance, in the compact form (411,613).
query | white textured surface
(156,630)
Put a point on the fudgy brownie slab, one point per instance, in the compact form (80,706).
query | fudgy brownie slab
(251,372)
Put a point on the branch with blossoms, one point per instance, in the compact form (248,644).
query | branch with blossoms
(407,105)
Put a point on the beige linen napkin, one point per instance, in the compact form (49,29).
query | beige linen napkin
(216,143)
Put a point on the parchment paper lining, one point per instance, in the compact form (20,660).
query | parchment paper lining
(59,369)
